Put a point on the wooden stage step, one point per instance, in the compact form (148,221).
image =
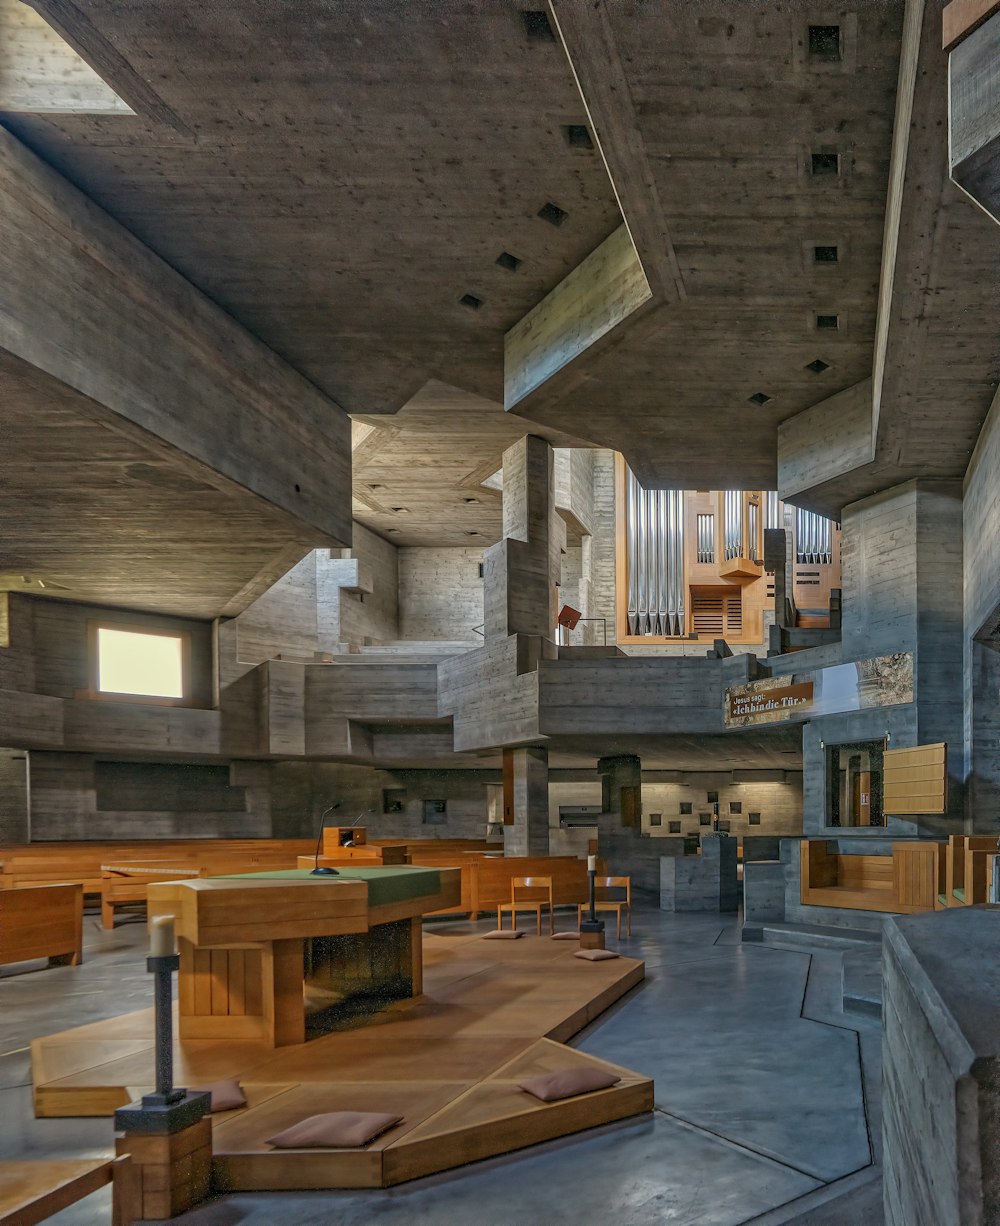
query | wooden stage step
(492,1013)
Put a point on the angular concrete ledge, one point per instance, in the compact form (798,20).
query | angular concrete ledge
(941,1068)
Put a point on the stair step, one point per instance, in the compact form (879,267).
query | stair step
(813,936)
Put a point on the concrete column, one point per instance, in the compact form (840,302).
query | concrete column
(621,790)
(527,775)
(521,573)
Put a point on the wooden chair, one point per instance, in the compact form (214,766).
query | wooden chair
(603,903)
(528,894)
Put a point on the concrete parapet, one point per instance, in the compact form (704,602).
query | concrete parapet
(941,1068)
(701,883)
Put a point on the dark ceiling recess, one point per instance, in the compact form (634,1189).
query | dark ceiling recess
(827,323)
(578,136)
(471,301)
(537,26)
(818,366)
(825,255)
(824,43)
(759,398)
(826,163)
(552,213)
(508,261)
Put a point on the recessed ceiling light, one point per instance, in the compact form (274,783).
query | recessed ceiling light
(824,43)
(471,301)
(472,533)
(470,499)
(759,398)
(392,529)
(552,213)
(825,163)
(818,366)
(537,26)
(401,510)
(578,136)
(508,261)
(375,485)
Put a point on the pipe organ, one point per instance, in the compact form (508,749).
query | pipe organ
(690,562)
(655,544)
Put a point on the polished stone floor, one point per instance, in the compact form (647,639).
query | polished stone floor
(766,1098)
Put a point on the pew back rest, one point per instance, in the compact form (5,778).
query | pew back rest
(41,922)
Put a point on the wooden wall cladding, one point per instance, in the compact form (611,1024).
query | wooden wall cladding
(916,780)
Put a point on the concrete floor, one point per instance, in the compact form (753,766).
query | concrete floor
(766,1098)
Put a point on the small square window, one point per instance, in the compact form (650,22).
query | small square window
(713,798)
(656,819)
(704,819)
(393,800)
(724,826)
(686,807)
(824,43)
(140,663)
(674,827)
(736,806)
(435,812)
(753,819)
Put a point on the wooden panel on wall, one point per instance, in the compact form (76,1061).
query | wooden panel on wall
(916,779)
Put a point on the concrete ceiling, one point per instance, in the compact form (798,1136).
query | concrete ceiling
(90,514)
(337,177)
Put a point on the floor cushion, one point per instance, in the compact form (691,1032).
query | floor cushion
(334,1130)
(226,1095)
(503,934)
(551,1087)
(595,955)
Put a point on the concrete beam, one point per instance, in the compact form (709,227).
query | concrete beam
(590,302)
(41,74)
(87,304)
(596,61)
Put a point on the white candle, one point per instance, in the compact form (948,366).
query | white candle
(591,864)
(161,936)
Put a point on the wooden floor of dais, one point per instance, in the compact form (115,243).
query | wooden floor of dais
(449,1062)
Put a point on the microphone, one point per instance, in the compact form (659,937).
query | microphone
(364,813)
(324,870)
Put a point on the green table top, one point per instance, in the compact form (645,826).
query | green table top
(396,883)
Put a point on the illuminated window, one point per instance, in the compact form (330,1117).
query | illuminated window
(141,664)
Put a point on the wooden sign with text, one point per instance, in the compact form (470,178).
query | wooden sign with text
(766,706)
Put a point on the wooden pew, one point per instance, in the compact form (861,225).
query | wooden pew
(31,864)
(966,879)
(43,922)
(904,883)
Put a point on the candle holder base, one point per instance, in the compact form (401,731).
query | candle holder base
(153,1116)
(592,934)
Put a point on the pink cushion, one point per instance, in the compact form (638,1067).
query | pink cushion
(502,934)
(226,1095)
(334,1130)
(565,936)
(595,955)
(580,1080)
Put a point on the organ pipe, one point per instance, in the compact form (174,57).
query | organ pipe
(772,511)
(706,538)
(813,538)
(733,523)
(655,545)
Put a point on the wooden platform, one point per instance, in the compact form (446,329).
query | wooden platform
(492,1013)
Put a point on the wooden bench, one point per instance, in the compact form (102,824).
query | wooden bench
(30,864)
(126,884)
(43,922)
(905,883)
(33,1191)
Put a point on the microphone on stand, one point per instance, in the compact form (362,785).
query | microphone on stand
(317,870)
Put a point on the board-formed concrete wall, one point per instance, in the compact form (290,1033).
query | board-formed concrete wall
(440,594)
(981,521)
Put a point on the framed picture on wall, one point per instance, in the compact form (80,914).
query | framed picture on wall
(435,812)
(393,800)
